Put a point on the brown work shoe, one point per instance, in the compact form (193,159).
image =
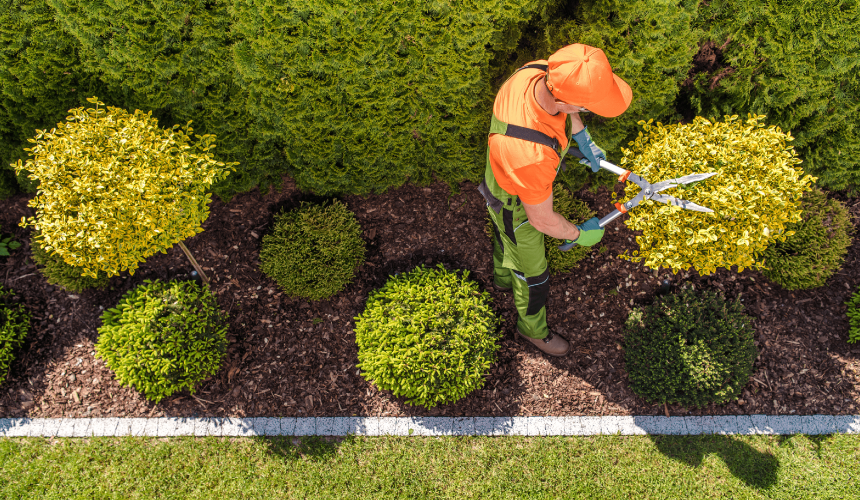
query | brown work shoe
(554,345)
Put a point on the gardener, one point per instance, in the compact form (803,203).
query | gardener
(526,146)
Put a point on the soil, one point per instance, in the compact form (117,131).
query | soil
(288,357)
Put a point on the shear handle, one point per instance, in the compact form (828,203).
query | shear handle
(602,222)
(615,169)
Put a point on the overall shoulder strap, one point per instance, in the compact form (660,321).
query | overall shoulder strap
(523,133)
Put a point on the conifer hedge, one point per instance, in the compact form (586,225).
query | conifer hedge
(796,62)
(368,95)
(41,78)
(173,57)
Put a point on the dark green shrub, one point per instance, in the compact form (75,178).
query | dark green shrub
(690,348)
(57,272)
(854,317)
(173,57)
(572,209)
(163,337)
(649,44)
(794,61)
(368,95)
(428,335)
(41,78)
(817,248)
(6,244)
(14,325)
(313,251)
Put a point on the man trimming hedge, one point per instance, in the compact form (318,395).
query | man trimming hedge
(527,144)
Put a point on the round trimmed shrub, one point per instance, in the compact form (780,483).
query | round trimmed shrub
(57,272)
(428,335)
(313,251)
(572,209)
(690,348)
(163,337)
(816,250)
(14,325)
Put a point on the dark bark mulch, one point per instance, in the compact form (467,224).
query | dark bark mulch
(288,357)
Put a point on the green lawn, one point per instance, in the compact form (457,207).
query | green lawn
(815,467)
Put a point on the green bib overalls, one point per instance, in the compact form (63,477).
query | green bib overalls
(519,258)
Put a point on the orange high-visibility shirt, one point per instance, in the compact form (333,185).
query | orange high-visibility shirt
(525,168)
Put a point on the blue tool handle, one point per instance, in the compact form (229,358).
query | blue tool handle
(564,247)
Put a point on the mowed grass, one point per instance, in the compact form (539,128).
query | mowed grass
(641,467)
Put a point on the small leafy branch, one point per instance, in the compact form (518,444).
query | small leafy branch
(6,244)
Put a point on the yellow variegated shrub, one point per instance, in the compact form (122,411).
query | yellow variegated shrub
(756,193)
(115,188)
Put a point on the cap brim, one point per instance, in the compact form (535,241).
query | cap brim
(616,101)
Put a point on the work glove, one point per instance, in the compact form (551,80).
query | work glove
(593,153)
(590,233)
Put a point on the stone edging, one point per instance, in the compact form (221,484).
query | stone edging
(429,426)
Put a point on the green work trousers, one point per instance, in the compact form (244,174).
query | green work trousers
(519,258)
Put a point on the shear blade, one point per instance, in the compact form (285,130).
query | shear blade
(687,179)
(671,200)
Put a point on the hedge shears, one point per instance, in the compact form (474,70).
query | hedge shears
(647,191)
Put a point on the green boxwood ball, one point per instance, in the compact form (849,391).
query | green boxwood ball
(690,348)
(14,325)
(816,250)
(428,335)
(313,251)
(57,272)
(163,337)
(575,211)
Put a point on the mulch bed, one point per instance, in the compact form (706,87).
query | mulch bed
(289,357)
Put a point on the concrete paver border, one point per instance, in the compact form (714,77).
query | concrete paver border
(431,426)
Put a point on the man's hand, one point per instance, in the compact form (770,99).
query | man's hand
(593,153)
(590,232)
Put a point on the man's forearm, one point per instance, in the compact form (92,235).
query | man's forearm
(558,227)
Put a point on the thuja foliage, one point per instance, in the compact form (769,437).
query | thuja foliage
(41,77)
(57,272)
(14,325)
(314,250)
(794,61)
(365,95)
(755,194)
(428,335)
(854,317)
(575,211)
(174,57)
(650,44)
(816,250)
(163,337)
(117,188)
(689,348)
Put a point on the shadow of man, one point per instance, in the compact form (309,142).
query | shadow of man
(756,469)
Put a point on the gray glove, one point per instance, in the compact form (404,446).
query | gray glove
(593,153)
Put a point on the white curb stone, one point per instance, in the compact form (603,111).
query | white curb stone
(848,424)
(725,425)
(267,426)
(627,426)
(103,427)
(17,427)
(519,426)
(573,426)
(502,426)
(590,426)
(431,426)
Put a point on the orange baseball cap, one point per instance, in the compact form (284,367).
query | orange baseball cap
(580,74)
